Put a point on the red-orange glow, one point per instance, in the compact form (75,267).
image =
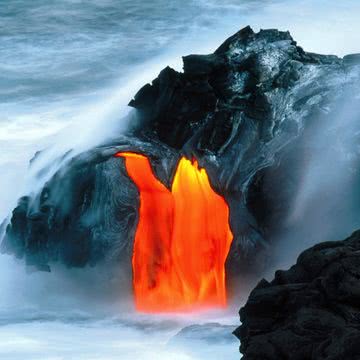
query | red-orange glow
(182,239)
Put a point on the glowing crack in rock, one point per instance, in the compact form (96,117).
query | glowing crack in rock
(182,239)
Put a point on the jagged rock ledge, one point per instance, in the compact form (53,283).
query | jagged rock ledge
(311,311)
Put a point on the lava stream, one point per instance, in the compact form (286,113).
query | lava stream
(182,239)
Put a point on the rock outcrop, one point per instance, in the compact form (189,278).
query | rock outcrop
(310,311)
(237,111)
(209,340)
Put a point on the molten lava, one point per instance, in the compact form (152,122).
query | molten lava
(182,239)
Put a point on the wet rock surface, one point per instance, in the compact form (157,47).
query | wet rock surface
(242,111)
(202,341)
(310,311)
(211,333)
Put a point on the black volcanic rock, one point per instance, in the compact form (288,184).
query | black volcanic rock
(242,111)
(311,311)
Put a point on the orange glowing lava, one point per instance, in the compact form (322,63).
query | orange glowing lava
(182,239)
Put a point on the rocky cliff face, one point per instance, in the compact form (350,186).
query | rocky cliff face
(241,111)
(310,311)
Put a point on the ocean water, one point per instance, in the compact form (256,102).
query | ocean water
(68,68)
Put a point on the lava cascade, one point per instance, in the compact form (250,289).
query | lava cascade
(182,239)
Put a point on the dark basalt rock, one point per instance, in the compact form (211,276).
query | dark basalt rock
(310,311)
(237,111)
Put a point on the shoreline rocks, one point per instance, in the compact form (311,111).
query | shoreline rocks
(310,311)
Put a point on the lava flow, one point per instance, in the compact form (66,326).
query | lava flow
(182,239)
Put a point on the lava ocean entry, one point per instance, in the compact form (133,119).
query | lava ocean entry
(182,239)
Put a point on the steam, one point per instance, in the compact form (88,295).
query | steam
(326,205)
(92,124)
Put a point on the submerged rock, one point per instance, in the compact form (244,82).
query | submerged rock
(237,111)
(310,311)
(207,340)
(209,333)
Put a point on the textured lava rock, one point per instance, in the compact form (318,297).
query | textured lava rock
(240,111)
(310,311)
